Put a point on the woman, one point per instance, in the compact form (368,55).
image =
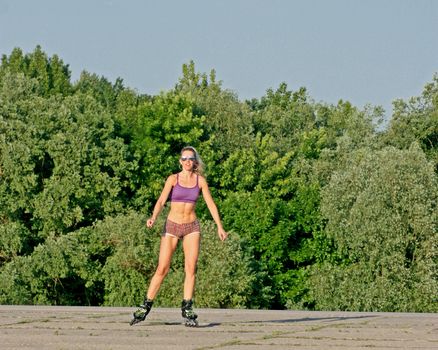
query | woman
(183,190)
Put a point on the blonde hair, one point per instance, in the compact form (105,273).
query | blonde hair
(198,164)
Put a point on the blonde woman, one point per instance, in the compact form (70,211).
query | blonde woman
(182,190)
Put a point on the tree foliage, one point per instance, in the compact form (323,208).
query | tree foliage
(416,120)
(381,212)
(326,209)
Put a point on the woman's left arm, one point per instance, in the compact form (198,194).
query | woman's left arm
(212,208)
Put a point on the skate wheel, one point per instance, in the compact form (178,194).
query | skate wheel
(191,323)
(135,320)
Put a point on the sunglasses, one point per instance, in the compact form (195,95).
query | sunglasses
(188,158)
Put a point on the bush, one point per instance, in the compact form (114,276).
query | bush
(224,278)
(382,216)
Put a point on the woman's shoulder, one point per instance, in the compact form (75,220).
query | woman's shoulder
(172,178)
(202,180)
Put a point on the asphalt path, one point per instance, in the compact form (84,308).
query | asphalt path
(106,328)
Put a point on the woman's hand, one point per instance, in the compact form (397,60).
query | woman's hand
(222,234)
(150,222)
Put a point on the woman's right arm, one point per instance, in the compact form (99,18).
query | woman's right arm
(161,202)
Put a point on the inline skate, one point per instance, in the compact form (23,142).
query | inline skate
(142,312)
(190,318)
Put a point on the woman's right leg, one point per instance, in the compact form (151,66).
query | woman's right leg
(167,248)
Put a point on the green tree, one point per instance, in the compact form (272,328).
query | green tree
(103,91)
(60,271)
(284,115)
(50,73)
(15,63)
(226,121)
(273,203)
(63,165)
(381,215)
(416,121)
(76,159)
(161,128)
(59,76)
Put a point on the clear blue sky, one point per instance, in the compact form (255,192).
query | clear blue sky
(363,51)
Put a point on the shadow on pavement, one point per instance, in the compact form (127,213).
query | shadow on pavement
(291,320)
(309,319)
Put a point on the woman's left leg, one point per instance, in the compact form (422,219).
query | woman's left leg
(191,244)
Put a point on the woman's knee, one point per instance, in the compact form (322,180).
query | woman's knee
(190,270)
(162,271)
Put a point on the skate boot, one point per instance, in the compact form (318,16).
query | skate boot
(188,314)
(141,313)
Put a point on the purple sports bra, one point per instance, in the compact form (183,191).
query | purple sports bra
(184,194)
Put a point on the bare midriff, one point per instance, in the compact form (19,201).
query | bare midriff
(181,212)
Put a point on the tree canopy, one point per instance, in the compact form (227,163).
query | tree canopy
(326,209)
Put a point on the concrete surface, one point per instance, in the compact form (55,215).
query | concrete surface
(53,327)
